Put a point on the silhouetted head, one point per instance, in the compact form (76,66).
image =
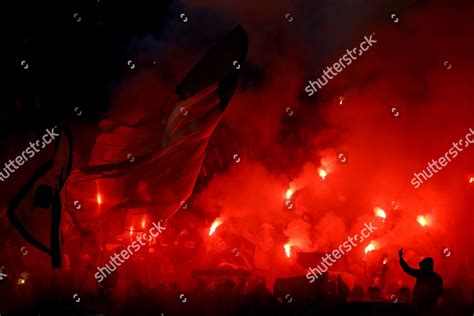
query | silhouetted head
(358,292)
(374,292)
(377,278)
(332,288)
(426,264)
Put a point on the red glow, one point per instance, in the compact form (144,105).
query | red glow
(275,208)
(217,222)
(143,223)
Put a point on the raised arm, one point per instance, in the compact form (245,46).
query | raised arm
(409,270)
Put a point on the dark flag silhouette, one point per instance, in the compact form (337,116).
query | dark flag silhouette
(35,210)
(145,169)
(141,169)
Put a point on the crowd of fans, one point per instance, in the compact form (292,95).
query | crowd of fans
(150,284)
(222,293)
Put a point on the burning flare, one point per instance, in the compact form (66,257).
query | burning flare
(287,248)
(380,213)
(370,247)
(421,220)
(289,193)
(471,179)
(217,222)
(99,199)
(322,173)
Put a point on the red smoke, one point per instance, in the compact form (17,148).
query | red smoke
(407,70)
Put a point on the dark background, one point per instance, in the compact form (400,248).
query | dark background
(70,63)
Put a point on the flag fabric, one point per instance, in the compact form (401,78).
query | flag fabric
(36,209)
(148,167)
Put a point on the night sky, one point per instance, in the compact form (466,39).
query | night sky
(76,52)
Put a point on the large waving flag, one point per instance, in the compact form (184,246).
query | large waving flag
(141,171)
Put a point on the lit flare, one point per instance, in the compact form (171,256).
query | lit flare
(380,213)
(322,173)
(370,247)
(287,248)
(217,222)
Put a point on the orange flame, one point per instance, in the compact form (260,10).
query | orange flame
(289,193)
(99,199)
(341,99)
(471,179)
(370,247)
(422,220)
(217,222)
(131,231)
(322,173)
(287,248)
(385,261)
(380,213)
